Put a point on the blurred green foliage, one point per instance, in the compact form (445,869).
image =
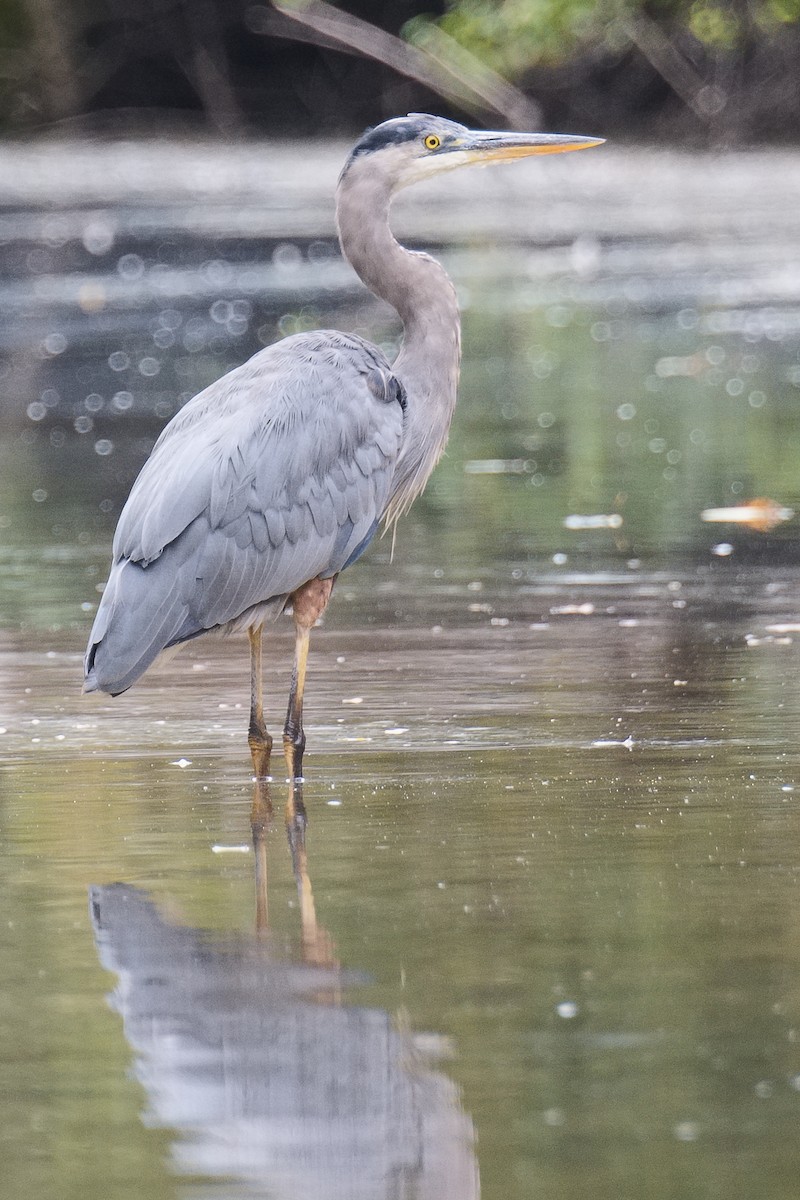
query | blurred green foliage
(516,35)
(718,69)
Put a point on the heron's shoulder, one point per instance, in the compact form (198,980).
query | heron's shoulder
(299,373)
(317,348)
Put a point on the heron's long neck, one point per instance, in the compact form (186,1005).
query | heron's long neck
(428,363)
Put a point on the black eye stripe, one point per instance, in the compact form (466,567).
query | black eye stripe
(416,127)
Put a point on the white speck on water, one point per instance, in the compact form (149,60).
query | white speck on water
(763,1089)
(553,1117)
(55,343)
(220,849)
(149,366)
(559,559)
(397,729)
(441,885)
(722,549)
(686,1131)
(592,521)
(353,700)
(333,803)
(567,1009)
(130,266)
(181,762)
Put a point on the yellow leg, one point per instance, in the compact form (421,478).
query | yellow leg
(308,605)
(258,738)
(294,739)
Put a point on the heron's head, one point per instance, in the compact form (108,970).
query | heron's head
(409,149)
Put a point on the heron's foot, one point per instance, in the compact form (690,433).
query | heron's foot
(260,744)
(294,745)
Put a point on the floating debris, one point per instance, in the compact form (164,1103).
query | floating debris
(592,521)
(565,610)
(601,742)
(751,639)
(497,466)
(676,367)
(181,762)
(761,514)
(220,849)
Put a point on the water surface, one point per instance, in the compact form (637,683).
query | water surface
(544,930)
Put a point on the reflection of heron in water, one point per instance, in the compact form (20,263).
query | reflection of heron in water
(268,1079)
(274,479)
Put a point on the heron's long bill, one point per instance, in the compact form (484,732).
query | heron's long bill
(495,147)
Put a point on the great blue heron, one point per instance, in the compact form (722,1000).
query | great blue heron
(275,478)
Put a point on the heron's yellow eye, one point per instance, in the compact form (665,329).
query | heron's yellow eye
(432,142)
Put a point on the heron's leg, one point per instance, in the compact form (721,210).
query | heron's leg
(259,740)
(308,604)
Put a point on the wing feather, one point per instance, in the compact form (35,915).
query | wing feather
(277,473)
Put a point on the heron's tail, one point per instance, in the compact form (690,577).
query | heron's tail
(140,614)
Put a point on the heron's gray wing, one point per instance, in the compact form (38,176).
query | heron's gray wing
(276,474)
